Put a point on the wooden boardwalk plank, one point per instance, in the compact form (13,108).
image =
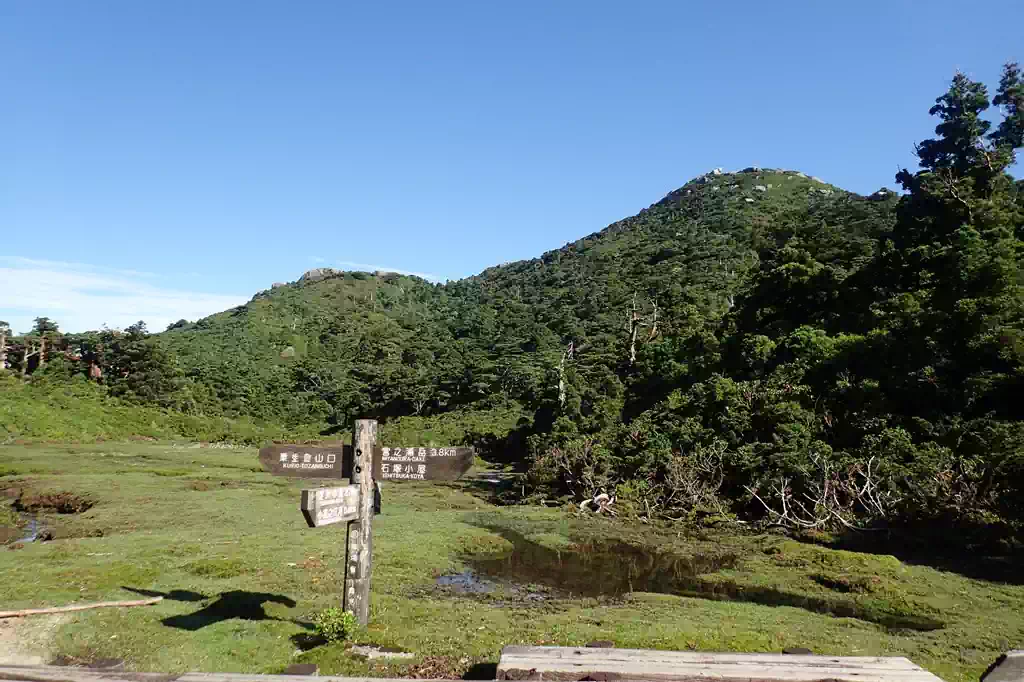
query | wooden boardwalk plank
(1008,668)
(47,673)
(569,663)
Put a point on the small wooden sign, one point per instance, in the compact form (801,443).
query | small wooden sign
(421,463)
(307,461)
(324,506)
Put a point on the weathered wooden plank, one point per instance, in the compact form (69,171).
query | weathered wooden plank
(575,653)
(732,671)
(79,607)
(324,506)
(421,463)
(238,677)
(67,674)
(1008,668)
(359,548)
(568,663)
(52,673)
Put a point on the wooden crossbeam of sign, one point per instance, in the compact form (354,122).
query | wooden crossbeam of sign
(420,463)
(389,463)
(308,461)
(364,464)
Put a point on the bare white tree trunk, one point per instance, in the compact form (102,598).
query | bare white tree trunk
(634,321)
(567,355)
(26,354)
(654,323)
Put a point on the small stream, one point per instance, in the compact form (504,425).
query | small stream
(33,527)
(30,529)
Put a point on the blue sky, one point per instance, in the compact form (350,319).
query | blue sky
(169,159)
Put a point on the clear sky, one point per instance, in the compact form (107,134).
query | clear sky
(168,159)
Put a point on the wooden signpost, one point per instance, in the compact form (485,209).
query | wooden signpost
(364,464)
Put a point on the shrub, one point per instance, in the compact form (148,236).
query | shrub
(335,625)
(578,468)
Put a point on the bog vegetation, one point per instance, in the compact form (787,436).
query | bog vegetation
(756,345)
(248,588)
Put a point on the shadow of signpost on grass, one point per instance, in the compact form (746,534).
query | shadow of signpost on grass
(233,605)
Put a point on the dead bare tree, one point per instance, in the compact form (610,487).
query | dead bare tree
(831,497)
(578,468)
(566,357)
(951,184)
(694,480)
(635,319)
(5,331)
(29,349)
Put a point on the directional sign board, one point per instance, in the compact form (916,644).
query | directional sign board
(389,464)
(420,463)
(307,461)
(324,506)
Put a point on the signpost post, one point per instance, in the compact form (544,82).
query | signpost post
(364,463)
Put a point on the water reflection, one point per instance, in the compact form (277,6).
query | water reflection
(613,569)
(601,569)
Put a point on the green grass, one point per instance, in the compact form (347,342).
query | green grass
(197,523)
(81,412)
(78,411)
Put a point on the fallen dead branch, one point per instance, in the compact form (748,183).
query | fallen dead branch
(78,607)
(602,504)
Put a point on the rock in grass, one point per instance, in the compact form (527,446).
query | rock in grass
(302,669)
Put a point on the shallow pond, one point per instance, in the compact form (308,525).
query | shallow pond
(614,569)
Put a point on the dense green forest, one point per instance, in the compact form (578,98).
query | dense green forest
(757,344)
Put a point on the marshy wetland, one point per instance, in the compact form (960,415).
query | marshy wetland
(455,576)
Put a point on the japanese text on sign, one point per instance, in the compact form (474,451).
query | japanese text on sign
(421,463)
(306,460)
(415,454)
(324,506)
(327,515)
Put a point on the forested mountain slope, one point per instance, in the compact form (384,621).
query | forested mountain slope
(333,344)
(758,343)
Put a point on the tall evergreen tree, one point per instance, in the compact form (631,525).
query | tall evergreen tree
(1010,97)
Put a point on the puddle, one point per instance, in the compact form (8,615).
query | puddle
(469,582)
(614,569)
(601,569)
(466,582)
